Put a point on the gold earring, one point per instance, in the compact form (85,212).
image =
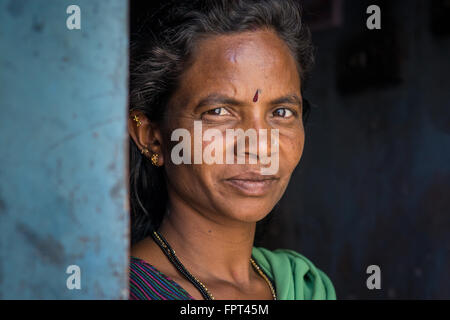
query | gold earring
(138,122)
(155,158)
(144,151)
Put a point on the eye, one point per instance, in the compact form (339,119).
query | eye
(217,112)
(283,113)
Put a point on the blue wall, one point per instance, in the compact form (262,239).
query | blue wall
(63,139)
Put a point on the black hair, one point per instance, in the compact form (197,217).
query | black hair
(162,47)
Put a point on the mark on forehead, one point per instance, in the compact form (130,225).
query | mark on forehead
(255,98)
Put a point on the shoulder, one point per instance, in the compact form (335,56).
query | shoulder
(296,276)
(148,283)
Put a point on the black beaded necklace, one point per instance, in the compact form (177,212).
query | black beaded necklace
(170,253)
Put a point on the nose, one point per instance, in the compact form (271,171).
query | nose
(255,137)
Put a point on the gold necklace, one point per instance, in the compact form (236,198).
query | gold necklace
(164,245)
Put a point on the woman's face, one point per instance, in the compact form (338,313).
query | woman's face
(230,70)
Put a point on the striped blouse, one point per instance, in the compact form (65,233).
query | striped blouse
(148,283)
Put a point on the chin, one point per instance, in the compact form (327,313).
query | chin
(249,210)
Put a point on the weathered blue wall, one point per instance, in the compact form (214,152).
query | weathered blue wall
(373,186)
(63,140)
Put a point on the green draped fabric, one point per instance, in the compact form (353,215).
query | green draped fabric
(295,277)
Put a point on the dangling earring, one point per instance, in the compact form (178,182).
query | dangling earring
(155,159)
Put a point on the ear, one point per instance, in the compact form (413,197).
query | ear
(145,134)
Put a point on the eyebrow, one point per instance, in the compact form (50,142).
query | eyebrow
(291,99)
(217,98)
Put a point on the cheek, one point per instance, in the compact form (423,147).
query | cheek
(192,175)
(189,180)
(291,148)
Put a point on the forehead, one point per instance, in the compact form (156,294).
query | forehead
(238,64)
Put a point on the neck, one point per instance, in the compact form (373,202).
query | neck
(213,246)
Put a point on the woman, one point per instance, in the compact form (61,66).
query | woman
(220,65)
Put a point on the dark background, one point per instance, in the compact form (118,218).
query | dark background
(373,185)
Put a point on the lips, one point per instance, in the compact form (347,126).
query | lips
(252,183)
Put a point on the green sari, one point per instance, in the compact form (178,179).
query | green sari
(295,277)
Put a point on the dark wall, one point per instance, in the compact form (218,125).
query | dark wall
(373,185)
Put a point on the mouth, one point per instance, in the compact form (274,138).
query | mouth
(252,183)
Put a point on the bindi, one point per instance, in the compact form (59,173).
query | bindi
(255,98)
